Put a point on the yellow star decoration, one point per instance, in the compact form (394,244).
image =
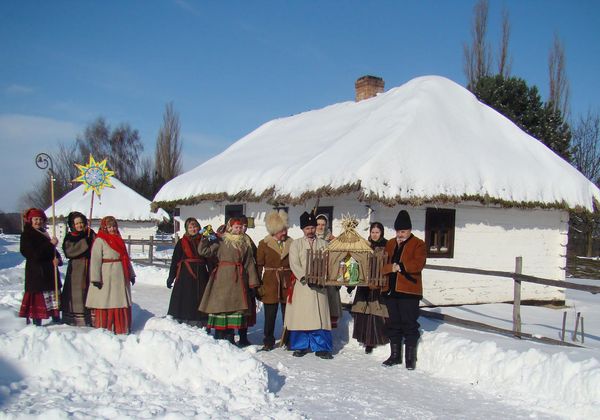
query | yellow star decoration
(94,176)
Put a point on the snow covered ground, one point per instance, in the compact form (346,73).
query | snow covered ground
(168,370)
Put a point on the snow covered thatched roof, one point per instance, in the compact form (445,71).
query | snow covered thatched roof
(121,202)
(429,140)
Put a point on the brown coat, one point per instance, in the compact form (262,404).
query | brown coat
(227,288)
(273,266)
(39,254)
(414,256)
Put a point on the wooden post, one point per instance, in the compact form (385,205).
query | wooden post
(129,244)
(517,298)
(574,335)
(581,330)
(151,249)
(564,326)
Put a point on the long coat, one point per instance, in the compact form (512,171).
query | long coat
(190,276)
(309,308)
(116,289)
(273,264)
(39,254)
(77,250)
(412,259)
(227,289)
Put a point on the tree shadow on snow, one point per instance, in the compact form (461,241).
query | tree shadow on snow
(140,317)
(8,375)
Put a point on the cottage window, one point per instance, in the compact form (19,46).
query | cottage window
(439,232)
(233,210)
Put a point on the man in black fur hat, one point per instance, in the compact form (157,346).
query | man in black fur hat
(405,262)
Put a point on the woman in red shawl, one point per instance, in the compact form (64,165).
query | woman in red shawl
(41,262)
(188,277)
(111,276)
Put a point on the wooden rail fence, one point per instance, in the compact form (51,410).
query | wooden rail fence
(150,243)
(518,277)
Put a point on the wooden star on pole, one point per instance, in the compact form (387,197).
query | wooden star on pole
(94,176)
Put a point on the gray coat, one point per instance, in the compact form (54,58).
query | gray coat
(309,309)
(116,290)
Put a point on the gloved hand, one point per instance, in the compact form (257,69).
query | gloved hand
(350,289)
(97,284)
(169,283)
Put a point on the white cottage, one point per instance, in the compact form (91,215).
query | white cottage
(131,210)
(480,191)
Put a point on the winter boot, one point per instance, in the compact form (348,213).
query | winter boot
(243,341)
(368,349)
(229,335)
(37,322)
(411,357)
(395,355)
(219,334)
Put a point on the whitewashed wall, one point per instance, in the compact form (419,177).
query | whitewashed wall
(485,237)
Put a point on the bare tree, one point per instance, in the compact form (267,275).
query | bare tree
(477,56)
(168,146)
(559,84)
(585,144)
(504,61)
(121,146)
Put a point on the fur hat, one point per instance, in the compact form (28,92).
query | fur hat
(307,219)
(402,221)
(276,221)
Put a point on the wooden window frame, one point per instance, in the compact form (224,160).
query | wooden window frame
(440,224)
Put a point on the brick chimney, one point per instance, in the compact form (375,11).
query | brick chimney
(368,86)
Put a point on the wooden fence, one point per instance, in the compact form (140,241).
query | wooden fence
(149,244)
(518,277)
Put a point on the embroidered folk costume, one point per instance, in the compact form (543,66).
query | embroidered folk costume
(307,310)
(77,246)
(226,296)
(188,277)
(111,276)
(41,261)
(369,310)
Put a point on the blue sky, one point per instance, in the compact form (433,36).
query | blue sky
(230,66)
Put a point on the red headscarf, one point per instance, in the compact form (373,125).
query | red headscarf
(33,212)
(116,243)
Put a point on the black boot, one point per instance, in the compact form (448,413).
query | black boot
(411,357)
(37,322)
(219,334)
(229,335)
(243,341)
(368,349)
(395,355)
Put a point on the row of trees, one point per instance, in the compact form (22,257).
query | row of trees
(577,140)
(123,148)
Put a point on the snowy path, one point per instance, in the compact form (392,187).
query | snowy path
(355,385)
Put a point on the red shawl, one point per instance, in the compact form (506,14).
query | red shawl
(117,244)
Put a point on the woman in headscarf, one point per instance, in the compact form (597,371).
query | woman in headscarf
(226,295)
(368,310)
(111,275)
(77,246)
(188,277)
(41,266)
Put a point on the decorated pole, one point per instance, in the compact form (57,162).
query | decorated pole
(44,161)
(94,176)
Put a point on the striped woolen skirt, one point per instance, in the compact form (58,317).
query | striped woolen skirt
(117,320)
(39,305)
(227,321)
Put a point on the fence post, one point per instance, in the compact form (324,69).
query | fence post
(129,244)
(151,249)
(517,298)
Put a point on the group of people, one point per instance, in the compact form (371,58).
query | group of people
(97,289)
(216,278)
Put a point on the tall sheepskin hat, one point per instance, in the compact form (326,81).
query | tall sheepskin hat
(276,221)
